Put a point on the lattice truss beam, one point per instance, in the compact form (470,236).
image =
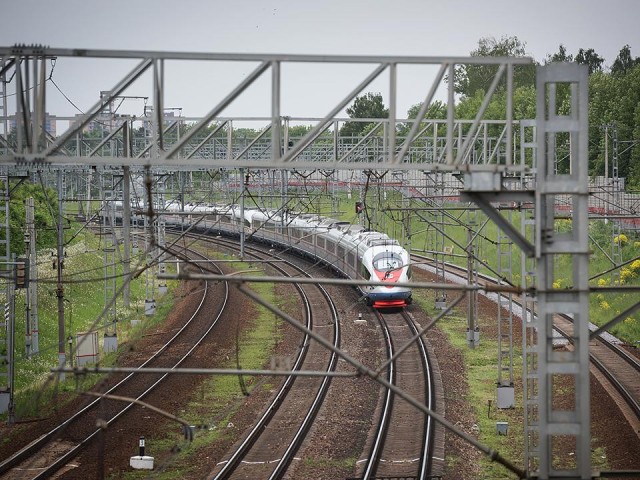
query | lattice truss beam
(459,144)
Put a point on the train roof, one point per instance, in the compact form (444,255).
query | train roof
(333,227)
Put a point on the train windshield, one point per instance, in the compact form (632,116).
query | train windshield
(385,261)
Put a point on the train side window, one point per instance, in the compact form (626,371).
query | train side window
(364,272)
(331,247)
(320,242)
(351,259)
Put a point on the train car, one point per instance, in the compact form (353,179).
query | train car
(351,250)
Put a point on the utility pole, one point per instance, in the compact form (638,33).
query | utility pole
(31,300)
(126,217)
(62,357)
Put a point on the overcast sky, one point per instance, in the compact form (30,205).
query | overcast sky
(367,27)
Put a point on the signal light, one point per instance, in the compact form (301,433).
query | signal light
(22,273)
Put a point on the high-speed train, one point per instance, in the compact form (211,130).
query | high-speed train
(351,250)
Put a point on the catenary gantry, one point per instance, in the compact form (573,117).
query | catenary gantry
(462,148)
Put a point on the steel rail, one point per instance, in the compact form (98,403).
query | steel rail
(258,429)
(626,394)
(287,457)
(383,426)
(385,415)
(231,464)
(39,443)
(299,436)
(46,473)
(429,387)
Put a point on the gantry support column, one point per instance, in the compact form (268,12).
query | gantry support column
(110,269)
(32,341)
(562,370)
(7,357)
(528,282)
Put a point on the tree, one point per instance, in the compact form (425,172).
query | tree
(591,59)
(624,62)
(437,111)
(560,56)
(298,131)
(472,78)
(370,105)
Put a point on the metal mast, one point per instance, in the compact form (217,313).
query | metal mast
(473,333)
(32,342)
(562,369)
(110,270)
(616,201)
(7,320)
(435,184)
(62,356)
(505,389)
(160,236)
(530,391)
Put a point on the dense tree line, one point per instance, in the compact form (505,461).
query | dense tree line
(614,100)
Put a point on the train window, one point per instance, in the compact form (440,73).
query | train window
(341,252)
(351,259)
(386,261)
(331,247)
(320,242)
(364,272)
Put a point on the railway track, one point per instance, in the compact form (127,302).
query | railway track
(398,448)
(268,449)
(403,443)
(616,369)
(285,423)
(53,451)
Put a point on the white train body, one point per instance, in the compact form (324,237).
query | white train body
(350,249)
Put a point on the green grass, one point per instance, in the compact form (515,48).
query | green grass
(482,374)
(481,367)
(84,301)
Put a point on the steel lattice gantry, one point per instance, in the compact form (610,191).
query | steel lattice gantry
(484,174)
(558,370)
(34,148)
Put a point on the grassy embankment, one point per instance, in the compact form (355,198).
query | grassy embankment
(84,302)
